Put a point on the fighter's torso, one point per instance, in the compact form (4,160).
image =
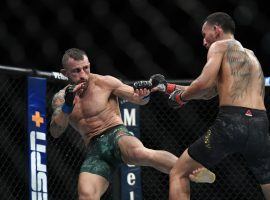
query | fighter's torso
(240,80)
(96,110)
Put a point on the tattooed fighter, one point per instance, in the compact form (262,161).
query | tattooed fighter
(90,105)
(234,73)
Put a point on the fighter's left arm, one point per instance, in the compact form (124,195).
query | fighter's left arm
(204,87)
(127,92)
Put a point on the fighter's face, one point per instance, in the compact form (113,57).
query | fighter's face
(210,34)
(77,71)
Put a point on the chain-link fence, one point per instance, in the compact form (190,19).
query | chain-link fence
(13,139)
(161,128)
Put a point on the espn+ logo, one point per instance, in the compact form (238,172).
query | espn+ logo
(38,166)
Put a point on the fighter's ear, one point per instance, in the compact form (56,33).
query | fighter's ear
(218,29)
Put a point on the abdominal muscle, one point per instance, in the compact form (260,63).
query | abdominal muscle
(94,123)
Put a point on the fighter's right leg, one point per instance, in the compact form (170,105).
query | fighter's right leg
(134,152)
(91,186)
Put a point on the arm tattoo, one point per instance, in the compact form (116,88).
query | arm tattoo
(57,103)
(58,99)
(241,65)
(56,111)
(210,93)
(56,128)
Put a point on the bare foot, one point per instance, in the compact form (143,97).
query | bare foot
(202,175)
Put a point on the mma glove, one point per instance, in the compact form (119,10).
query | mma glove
(143,85)
(175,101)
(159,81)
(69,98)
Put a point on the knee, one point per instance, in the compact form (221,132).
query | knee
(88,194)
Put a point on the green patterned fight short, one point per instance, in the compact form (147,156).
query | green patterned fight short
(104,155)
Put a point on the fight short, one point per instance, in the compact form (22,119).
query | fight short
(236,130)
(103,154)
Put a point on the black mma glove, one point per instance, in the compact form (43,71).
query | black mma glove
(158,80)
(175,101)
(69,98)
(142,85)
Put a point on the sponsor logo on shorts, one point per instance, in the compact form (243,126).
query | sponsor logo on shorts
(248,113)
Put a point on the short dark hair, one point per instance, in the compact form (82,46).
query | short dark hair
(74,53)
(222,19)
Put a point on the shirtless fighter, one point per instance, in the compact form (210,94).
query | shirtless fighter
(90,105)
(235,74)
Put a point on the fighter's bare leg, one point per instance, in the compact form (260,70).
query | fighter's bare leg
(134,152)
(91,186)
(266,191)
(179,177)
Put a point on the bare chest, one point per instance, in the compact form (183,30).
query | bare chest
(91,104)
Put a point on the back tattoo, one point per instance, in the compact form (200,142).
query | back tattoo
(240,64)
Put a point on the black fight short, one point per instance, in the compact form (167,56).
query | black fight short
(236,130)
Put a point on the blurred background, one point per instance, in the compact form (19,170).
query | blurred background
(130,39)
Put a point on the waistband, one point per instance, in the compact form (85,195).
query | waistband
(242,110)
(94,138)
